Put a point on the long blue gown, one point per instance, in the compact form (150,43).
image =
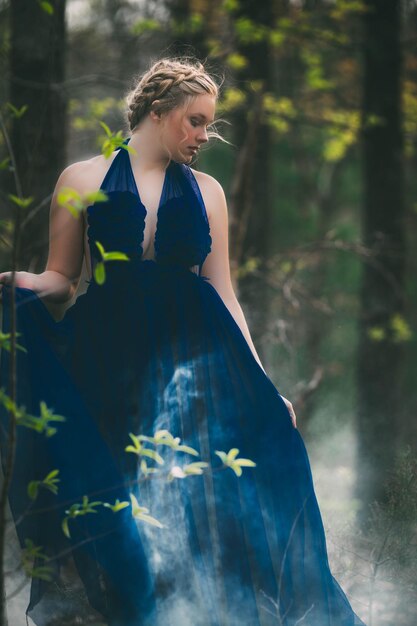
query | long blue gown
(154,348)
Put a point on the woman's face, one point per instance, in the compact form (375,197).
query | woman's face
(186,127)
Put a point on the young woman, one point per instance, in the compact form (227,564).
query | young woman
(157,355)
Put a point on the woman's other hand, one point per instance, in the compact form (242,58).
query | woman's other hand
(290,410)
(26,280)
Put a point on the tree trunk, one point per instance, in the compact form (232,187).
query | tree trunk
(380,354)
(251,202)
(37,69)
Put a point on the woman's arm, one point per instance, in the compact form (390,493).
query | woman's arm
(66,240)
(59,282)
(216,266)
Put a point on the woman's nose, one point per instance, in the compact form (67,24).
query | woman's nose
(202,135)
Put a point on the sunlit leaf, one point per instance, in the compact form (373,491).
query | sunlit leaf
(376,333)
(4,164)
(47,7)
(401,328)
(17,113)
(117,506)
(116,256)
(146,25)
(231,461)
(99,273)
(21,202)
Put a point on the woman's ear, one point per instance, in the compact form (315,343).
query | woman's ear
(153,113)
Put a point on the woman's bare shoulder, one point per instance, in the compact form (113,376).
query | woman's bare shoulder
(85,175)
(210,188)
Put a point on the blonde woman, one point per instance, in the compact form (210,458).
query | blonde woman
(158,346)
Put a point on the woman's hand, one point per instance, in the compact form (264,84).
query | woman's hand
(53,287)
(22,279)
(291,411)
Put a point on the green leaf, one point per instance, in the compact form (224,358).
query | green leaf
(222,455)
(95,196)
(64,525)
(4,165)
(100,273)
(21,202)
(101,248)
(33,489)
(146,25)
(17,113)
(147,470)
(116,256)
(237,470)
(195,468)
(149,520)
(235,464)
(106,128)
(245,462)
(400,327)
(187,449)
(117,506)
(47,7)
(5,342)
(141,512)
(232,454)
(152,454)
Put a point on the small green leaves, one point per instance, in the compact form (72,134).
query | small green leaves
(396,329)
(235,464)
(99,269)
(4,164)
(40,424)
(146,25)
(29,554)
(23,203)
(248,31)
(400,328)
(232,99)
(46,6)
(76,510)
(47,416)
(49,482)
(5,342)
(111,256)
(236,61)
(100,273)
(138,449)
(113,141)
(160,438)
(147,470)
(141,512)
(17,113)
(117,506)
(75,202)
(164,438)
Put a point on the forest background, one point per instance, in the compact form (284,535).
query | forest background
(319,104)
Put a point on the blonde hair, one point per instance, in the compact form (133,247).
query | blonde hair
(174,82)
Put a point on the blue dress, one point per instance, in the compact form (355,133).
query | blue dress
(153,351)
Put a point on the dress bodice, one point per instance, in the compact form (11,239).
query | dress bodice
(182,231)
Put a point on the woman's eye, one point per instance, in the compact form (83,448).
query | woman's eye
(194,123)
